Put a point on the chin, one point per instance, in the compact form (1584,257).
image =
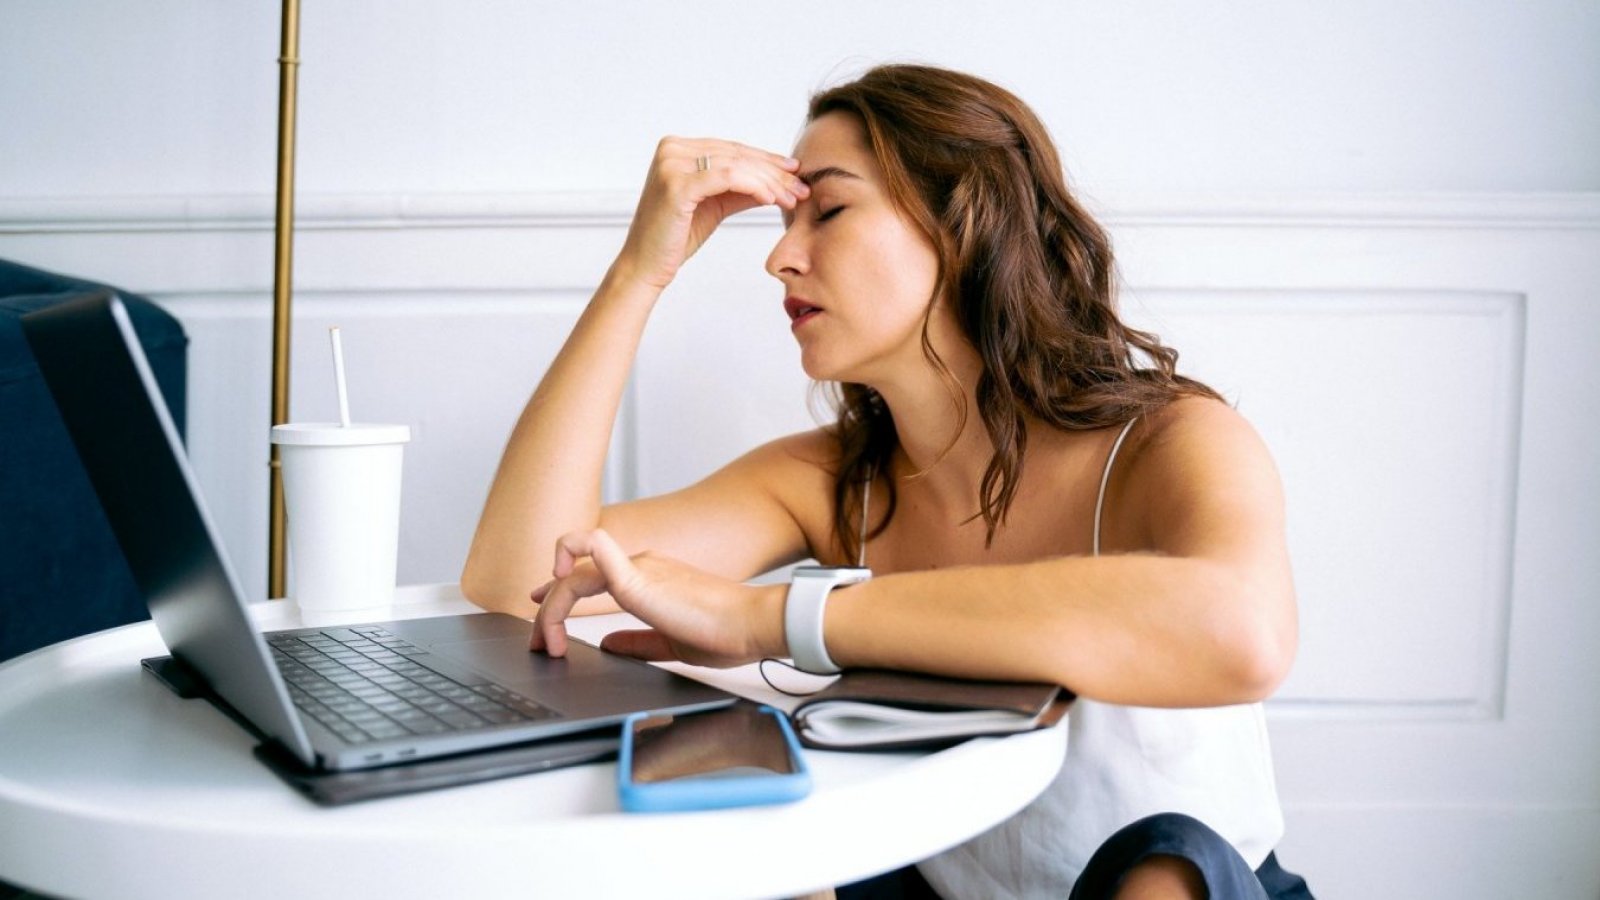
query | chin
(819,369)
(810,366)
(816,374)
(837,361)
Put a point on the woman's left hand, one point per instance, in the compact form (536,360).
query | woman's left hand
(697,617)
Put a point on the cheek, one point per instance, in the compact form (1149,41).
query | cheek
(902,266)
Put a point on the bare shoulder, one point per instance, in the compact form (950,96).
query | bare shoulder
(794,473)
(1195,430)
(796,470)
(1195,464)
(805,454)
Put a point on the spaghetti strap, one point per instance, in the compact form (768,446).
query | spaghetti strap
(1105,479)
(861,545)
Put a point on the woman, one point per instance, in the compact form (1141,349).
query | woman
(1040,496)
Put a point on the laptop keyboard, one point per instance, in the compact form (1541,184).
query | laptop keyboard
(366,684)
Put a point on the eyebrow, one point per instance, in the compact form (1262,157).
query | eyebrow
(811,178)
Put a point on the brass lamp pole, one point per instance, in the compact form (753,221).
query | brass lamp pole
(282,279)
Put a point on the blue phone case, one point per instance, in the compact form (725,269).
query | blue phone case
(711,792)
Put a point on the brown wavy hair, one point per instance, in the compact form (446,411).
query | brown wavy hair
(1027,270)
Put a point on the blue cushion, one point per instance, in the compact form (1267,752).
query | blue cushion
(61,572)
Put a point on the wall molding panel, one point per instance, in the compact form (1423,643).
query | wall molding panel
(1366,479)
(558,209)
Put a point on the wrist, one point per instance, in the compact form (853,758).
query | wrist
(768,630)
(623,282)
(804,614)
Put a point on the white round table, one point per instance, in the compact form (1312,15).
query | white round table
(111,786)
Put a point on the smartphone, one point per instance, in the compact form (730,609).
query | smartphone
(741,755)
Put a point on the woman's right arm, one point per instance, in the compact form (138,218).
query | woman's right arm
(550,473)
(549,480)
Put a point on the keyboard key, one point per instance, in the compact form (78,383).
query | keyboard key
(384,729)
(460,718)
(501,716)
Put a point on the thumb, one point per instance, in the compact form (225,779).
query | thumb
(645,644)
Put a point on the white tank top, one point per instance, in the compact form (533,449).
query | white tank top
(1123,763)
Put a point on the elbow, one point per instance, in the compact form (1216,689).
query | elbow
(1259,659)
(490,596)
(1257,676)
(472,585)
(1257,632)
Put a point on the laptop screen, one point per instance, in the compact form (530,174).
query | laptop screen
(96,370)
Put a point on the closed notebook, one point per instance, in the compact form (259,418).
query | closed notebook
(875,709)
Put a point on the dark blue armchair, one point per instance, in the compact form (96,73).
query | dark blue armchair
(61,572)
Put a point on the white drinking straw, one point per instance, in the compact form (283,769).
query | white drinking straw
(338,377)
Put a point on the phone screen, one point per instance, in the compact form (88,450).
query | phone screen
(741,740)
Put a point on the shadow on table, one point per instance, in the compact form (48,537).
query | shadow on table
(10,892)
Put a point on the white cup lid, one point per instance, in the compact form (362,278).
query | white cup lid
(332,434)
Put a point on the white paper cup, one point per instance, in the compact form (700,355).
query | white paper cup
(341,489)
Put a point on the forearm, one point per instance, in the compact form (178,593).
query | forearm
(549,479)
(1141,630)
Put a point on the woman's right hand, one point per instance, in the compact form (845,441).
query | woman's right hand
(694,616)
(681,204)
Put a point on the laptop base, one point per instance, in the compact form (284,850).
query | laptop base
(175,675)
(339,788)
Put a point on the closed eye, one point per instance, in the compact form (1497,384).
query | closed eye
(828,214)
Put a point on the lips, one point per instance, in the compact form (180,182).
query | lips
(799,310)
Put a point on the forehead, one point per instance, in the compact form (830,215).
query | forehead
(836,139)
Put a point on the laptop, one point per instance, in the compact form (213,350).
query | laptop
(336,699)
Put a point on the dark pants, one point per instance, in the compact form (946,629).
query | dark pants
(1225,872)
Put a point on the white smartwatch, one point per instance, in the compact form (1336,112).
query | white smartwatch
(802,613)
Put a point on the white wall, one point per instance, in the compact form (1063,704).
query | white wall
(1376,226)
(107,98)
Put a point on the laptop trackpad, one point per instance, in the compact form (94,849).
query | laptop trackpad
(584,682)
(509,661)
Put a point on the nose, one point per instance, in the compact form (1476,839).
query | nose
(788,257)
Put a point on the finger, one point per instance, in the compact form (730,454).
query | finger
(729,179)
(731,204)
(645,644)
(567,552)
(549,630)
(727,148)
(762,186)
(787,190)
(536,639)
(549,626)
(616,568)
(538,593)
(540,639)
(571,547)
(762,168)
(788,183)
(778,173)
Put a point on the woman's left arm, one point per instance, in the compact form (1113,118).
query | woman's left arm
(1202,613)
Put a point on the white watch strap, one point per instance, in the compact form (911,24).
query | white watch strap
(802,613)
